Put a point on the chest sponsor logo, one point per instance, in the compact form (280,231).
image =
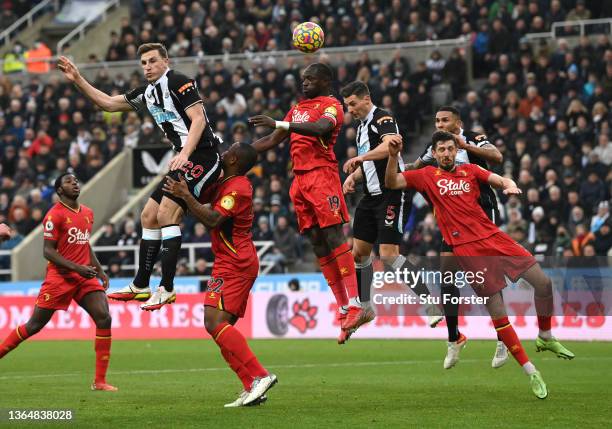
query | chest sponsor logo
(160,115)
(76,236)
(452,187)
(298,116)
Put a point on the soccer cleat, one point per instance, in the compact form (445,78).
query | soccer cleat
(501,355)
(103,387)
(160,298)
(434,315)
(358,316)
(130,292)
(452,354)
(538,386)
(240,401)
(259,388)
(554,346)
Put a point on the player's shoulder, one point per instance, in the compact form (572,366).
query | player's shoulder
(381,116)
(475,137)
(86,210)
(57,208)
(175,76)
(179,82)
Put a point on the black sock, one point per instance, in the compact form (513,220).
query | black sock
(451,311)
(149,249)
(365,274)
(401,263)
(171,246)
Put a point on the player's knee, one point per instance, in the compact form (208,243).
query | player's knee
(211,324)
(34,326)
(148,218)
(104,321)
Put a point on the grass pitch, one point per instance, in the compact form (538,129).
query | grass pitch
(365,383)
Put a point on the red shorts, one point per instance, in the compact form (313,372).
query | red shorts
(229,292)
(318,199)
(494,257)
(57,292)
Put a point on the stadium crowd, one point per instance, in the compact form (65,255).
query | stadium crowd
(548,111)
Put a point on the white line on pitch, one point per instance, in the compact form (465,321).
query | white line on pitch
(292,366)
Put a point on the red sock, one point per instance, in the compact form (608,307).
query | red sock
(229,338)
(544,309)
(334,279)
(102,347)
(15,338)
(507,334)
(238,368)
(345,264)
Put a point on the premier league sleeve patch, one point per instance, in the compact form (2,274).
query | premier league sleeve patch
(228,202)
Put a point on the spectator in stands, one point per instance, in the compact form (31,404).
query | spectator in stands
(287,241)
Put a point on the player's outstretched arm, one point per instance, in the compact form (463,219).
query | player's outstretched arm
(318,129)
(349,184)
(209,217)
(507,185)
(393,180)
(116,103)
(379,152)
(52,255)
(271,140)
(101,274)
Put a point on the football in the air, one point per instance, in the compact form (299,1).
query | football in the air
(308,37)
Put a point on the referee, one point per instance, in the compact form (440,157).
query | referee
(382,213)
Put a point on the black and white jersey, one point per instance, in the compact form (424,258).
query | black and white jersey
(488,200)
(167,100)
(377,124)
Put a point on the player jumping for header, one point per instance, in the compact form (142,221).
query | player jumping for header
(312,126)
(478,243)
(71,275)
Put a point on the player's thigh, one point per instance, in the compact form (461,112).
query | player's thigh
(170,211)
(334,236)
(391,216)
(228,292)
(323,190)
(95,304)
(364,223)
(148,216)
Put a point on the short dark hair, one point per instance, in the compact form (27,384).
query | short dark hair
(441,136)
(247,157)
(147,47)
(58,182)
(357,88)
(451,109)
(323,71)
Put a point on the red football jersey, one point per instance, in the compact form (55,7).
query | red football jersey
(71,229)
(232,241)
(310,152)
(454,196)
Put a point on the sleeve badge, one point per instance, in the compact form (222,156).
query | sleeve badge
(228,202)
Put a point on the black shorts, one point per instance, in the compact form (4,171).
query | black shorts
(381,218)
(202,170)
(491,212)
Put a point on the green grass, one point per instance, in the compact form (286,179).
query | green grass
(365,383)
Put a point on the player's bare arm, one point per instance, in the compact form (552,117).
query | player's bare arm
(116,103)
(507,185)
(198,123)
(393,180)
(488,152)
(379,152)
(271,140)
(210,218)
(317,129)
(5,232)
(100,271)
(52,255)
(418,163)
(349,184)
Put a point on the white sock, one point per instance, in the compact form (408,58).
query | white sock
(529,368)
(354,302)
(343,309)
(545,335)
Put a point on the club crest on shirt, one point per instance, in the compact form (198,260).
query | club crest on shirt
(227,202)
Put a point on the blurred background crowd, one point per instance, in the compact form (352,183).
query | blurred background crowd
(547,110)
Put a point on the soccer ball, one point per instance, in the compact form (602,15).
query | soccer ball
(308,37)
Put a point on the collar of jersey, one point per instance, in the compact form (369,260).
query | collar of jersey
(160,78)
(370,114)
(70,208)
